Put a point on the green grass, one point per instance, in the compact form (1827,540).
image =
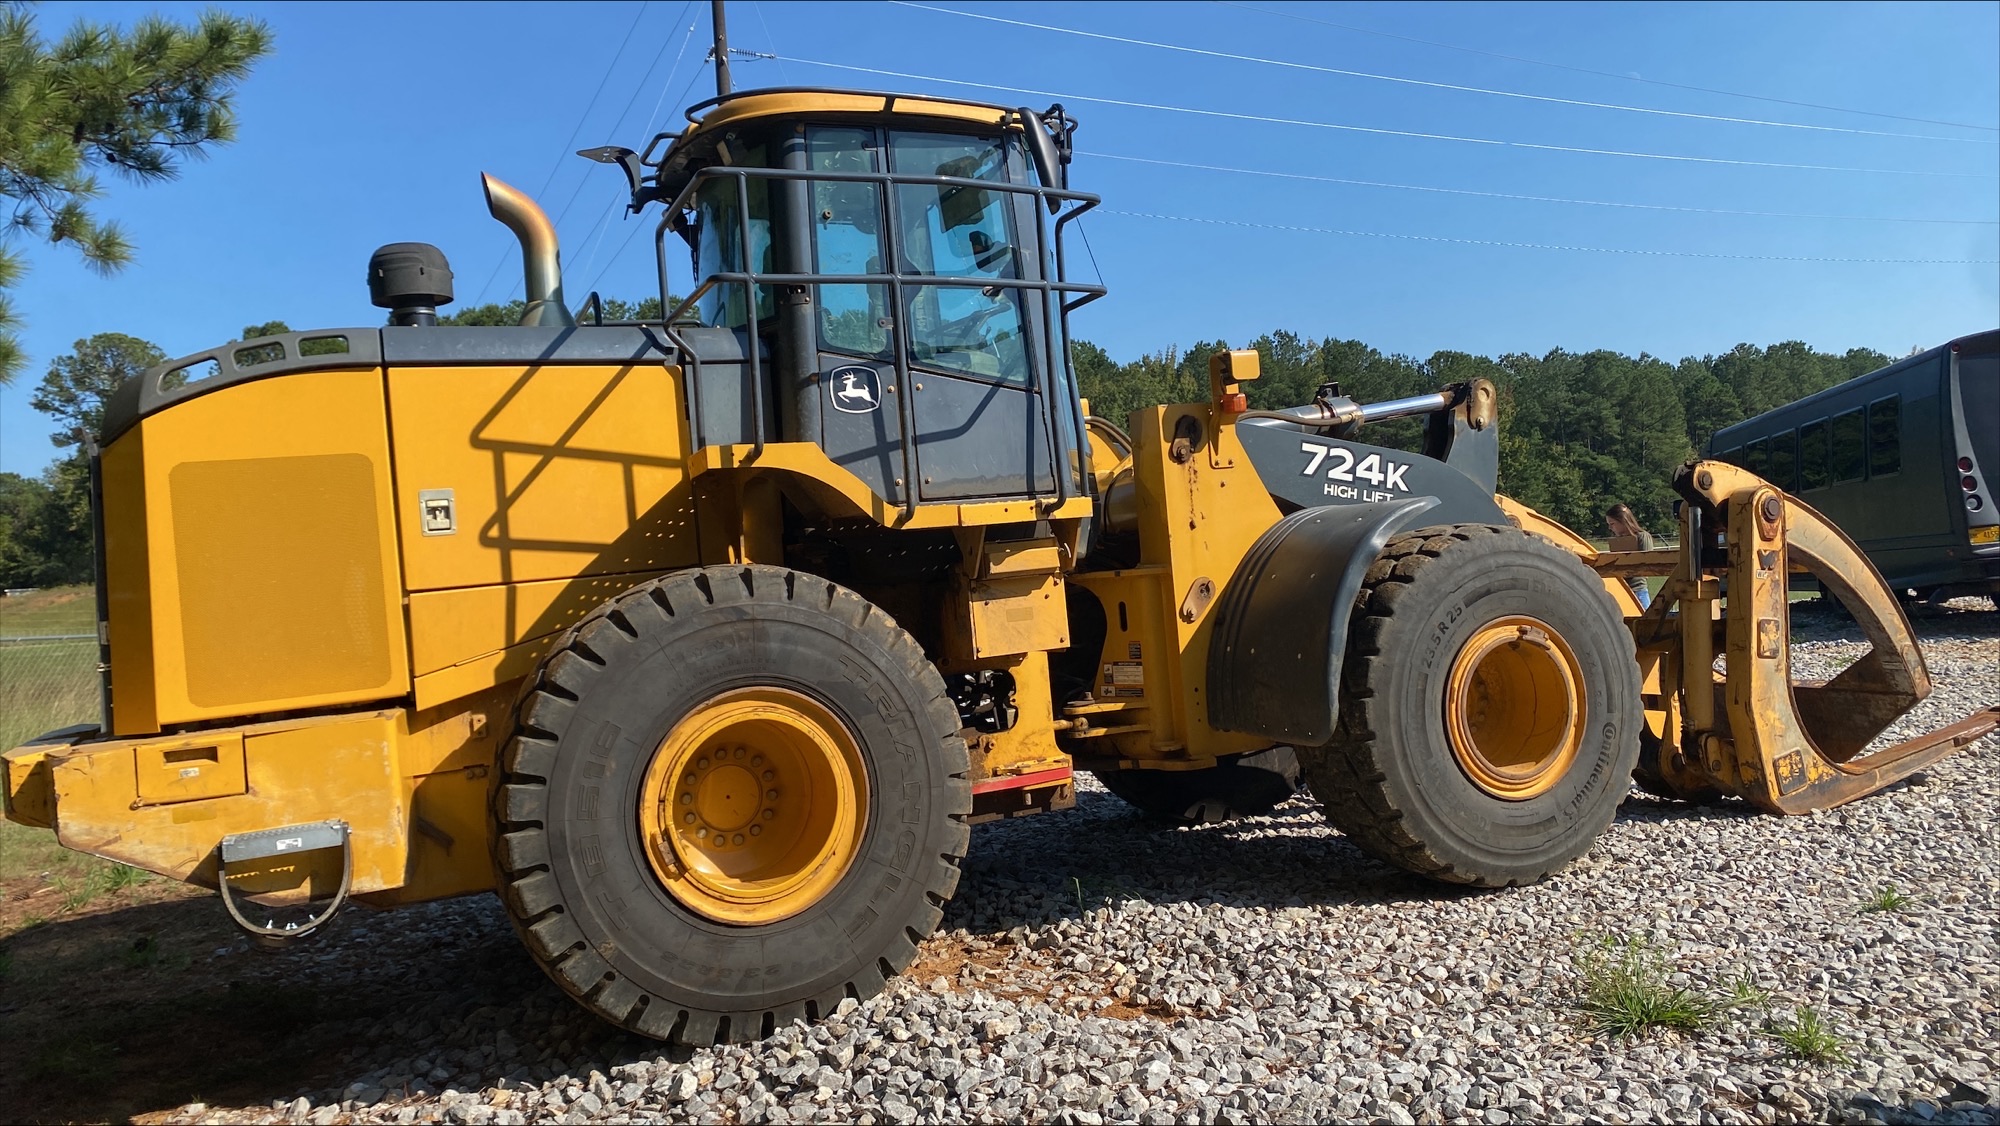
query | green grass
(63,609)
(1625,991)
(45,685)
(1888,899)
(1808,1036)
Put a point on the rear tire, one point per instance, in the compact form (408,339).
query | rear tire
(637,719)
(1245,786)
(1490,709)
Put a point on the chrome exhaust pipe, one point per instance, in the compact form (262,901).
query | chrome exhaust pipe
(541,260)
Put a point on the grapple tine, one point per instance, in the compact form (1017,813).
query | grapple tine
(1891,765)
(1786,748)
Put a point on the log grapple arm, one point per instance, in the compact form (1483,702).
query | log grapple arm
(1751,731)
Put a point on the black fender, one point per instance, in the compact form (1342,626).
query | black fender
(1280,630)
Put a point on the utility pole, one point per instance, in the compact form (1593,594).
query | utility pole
(721,48)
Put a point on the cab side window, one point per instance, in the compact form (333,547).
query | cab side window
(719,225)
(964,232)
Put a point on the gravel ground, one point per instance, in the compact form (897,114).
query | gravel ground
(1094,968)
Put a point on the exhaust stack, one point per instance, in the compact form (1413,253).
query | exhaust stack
(541,260)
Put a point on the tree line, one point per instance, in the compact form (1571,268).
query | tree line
(1578,430)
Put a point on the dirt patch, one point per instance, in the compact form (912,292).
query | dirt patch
(951,957)
(1006,970)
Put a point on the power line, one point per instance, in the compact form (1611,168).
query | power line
(604,221)
(637,88)
(1551,246)
(637,227)
(1606,73)
(1386,132)
(1434,85)
(1534,198)
(581,118)
(757,10)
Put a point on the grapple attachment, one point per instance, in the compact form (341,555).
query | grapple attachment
(1751,731)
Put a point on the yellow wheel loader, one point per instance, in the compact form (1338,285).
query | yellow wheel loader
(702,642)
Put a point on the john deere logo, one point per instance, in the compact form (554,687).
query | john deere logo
(856,390)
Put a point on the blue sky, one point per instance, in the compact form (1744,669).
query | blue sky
(371,123)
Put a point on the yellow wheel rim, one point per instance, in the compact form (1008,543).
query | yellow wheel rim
(1514,708)
(753,806)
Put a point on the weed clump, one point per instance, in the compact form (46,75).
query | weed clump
(1888,899)
(1626,992)
(1808,1036)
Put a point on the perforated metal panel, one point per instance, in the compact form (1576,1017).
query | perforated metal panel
(280,567)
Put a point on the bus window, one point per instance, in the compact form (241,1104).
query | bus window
(1731,456)
(1885,436)
(1849,446)
(1757,456)
(1784,461)
(1813,471)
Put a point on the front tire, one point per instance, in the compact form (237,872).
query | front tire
(1490,709)
(735,797)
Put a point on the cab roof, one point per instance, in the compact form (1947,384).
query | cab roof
(710,120)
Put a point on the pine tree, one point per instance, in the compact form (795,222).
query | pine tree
(138,101)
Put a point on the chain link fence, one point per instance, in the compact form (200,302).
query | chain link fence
(48,661)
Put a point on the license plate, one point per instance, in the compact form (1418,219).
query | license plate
(1988,534)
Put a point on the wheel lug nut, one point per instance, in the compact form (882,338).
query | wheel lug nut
(756,829)
(687,799)
(701,763)
(737,839)
(688,819)
(771,794)
(770,776)
(756,760)
(739,752)
(770,813)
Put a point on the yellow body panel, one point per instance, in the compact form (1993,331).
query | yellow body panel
(450,760)
(1199,517)
(414,787)
(207,765)
(818,484)
(1007,616)
(450,627)
(299,771)
(251,554)
(555,471)
(481,673)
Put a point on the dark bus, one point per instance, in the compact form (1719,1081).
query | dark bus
(1903,459)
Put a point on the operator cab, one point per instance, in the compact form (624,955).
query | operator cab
(901,303)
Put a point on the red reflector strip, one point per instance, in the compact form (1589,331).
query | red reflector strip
(1022,781)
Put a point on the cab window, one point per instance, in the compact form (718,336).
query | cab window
(719,242)
(960,231)
(847,239)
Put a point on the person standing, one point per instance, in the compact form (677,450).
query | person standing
(1620,521)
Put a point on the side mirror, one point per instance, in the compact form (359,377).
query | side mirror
(1049,167)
